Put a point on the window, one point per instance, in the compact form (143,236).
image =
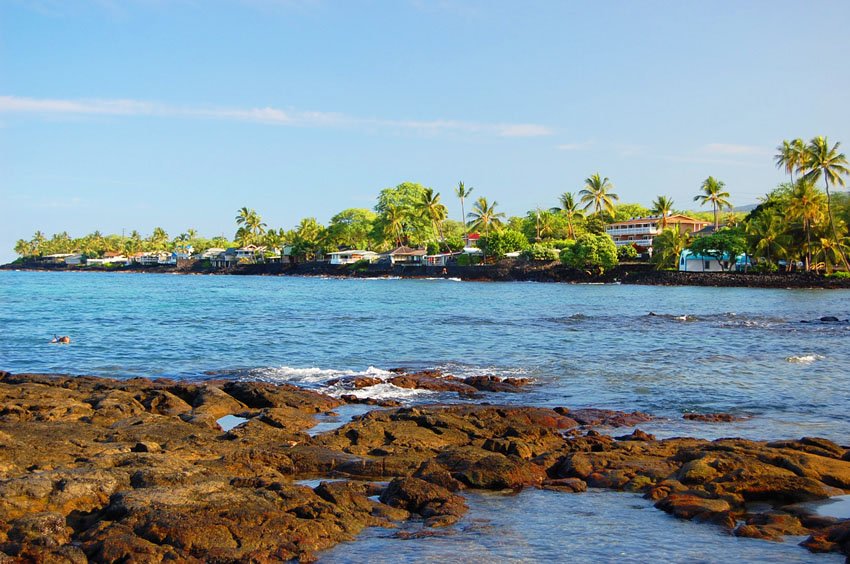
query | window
(707,265)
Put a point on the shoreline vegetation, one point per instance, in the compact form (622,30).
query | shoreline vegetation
(150,474)
(507,270)
(796,226)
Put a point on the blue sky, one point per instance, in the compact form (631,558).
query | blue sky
(175,113)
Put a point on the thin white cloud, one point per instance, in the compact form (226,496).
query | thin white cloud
(574,146)
(266,115)
(734,150)
(523,130)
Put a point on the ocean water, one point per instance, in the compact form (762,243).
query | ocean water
(662,350)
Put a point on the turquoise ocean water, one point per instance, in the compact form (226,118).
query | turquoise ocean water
(744,351)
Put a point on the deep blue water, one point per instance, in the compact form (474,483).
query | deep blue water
(709,349)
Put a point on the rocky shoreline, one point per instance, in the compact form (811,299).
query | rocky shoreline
(94,469)
(505,271)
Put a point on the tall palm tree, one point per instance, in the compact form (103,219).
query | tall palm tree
(597,193)
(790,155)
(394,226)
(463,192)
(251,220)
(433,210)
(822,160)
(668,246)
(806,205)
(713,192)
(570,208)
(663,206)
(483,215)
(768,236)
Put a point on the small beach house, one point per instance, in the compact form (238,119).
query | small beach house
(692,262)
(352,256)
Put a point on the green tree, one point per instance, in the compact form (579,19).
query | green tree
(352,228)
(668,245)
(499,243)
(462,192)
(158,241)
(768,237)
(591,253)
(663,206)
(23,248)
(822,160)
(483,215)
(790,156)
(435,211)
(570,209)
(404,200)
(725,245)
(807,205)
(597,194)
(252,223)
(713,193)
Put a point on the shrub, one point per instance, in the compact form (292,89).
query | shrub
(432,248)
(540,251)
(591,252)
(467,260)
(498,244)
(765,267)
(842,275)
(627,252)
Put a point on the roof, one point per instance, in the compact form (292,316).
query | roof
(407,251)
(673,218)
(353,252)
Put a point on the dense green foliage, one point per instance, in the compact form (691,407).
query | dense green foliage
(541,252)
(724,245)
(800,223)
(590,252)
(499,243)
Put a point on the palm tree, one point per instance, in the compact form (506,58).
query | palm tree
(158,239)
(768,236)
(668,246)
(713,192)
(790,155)
(433,210)
(251,220)
(663,206)
(463,192)
(570,208)
(807,206)
(483,215)
(394,222)
(596,193)
(822,160)
(23,248)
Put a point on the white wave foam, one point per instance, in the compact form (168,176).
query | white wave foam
(314,376)
(380,391)
(804,358)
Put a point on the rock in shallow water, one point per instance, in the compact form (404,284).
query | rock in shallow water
(147,475)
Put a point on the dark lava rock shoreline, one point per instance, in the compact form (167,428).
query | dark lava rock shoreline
(505,271)
(93,469)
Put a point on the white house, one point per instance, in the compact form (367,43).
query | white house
(441,259)
(352,256)
(692,262)
(114,259)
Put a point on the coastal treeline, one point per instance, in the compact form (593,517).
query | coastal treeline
(796,224)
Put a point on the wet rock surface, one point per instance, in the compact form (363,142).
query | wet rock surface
(94,469)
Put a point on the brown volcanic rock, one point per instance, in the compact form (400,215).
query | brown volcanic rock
(496,384)
(138,470)
(436,504)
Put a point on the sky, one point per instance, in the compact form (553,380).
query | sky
(131,114)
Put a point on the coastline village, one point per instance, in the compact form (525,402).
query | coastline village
(796,226)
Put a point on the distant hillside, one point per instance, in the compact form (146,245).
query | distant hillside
(745,209)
